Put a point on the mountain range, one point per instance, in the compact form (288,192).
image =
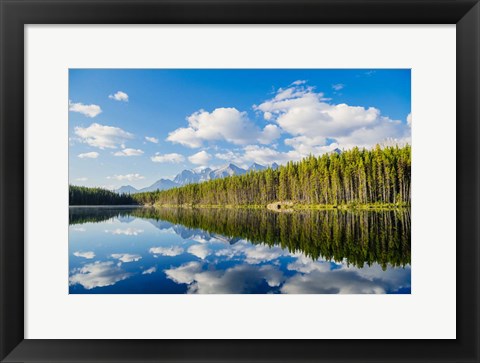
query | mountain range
(195,176)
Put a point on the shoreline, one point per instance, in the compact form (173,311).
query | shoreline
(108,206)
(274,207)
(286,207)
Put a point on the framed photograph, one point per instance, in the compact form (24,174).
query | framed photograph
(298,193)
(239,181)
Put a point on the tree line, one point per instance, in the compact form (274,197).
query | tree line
(356,176)
(97,196)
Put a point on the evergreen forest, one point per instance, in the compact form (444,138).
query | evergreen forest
(380,176)
(97,196)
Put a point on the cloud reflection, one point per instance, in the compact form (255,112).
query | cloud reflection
(251,253)
(87,254)
(184,274)
(166,251)
(320,277)
(236,280)
(201,251)
(204,262)
(98,274)
(126,257)
(149,271)
(126,231)
(311,277)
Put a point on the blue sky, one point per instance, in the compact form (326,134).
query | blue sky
(136,126)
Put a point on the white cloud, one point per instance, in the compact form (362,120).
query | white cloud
(315,127)
(129,152)
(338,86)
(200,158)
(166,251)
(231,156)
(185,136)
(90,155)
(87,254)
(149,271)
(299,82)
(259,154)
(127,231)
(265,155)
(81,179)
(222,124)
(306,115)
(78,229)
(304,146)
(409,119)
(126,257)
(98,274)
(129,177)
(151,139)
(87,110)
(269,134)
(102,136)
(167,158)
(119,96)
(201,251)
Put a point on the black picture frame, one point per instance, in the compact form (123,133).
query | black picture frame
(15,14)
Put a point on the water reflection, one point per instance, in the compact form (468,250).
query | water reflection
(146,250)
(97,274)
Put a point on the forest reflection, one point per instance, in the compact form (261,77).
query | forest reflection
(358,238)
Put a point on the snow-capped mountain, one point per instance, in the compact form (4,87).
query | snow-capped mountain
(186,177)
(204,174)
(195,176)
(227,170)
(256,167)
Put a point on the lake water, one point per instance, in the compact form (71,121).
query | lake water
(235,251)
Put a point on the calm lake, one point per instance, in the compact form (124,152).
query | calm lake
(127,250)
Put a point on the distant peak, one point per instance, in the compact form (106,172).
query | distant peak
(257,167)
(202,169)
(229,166)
